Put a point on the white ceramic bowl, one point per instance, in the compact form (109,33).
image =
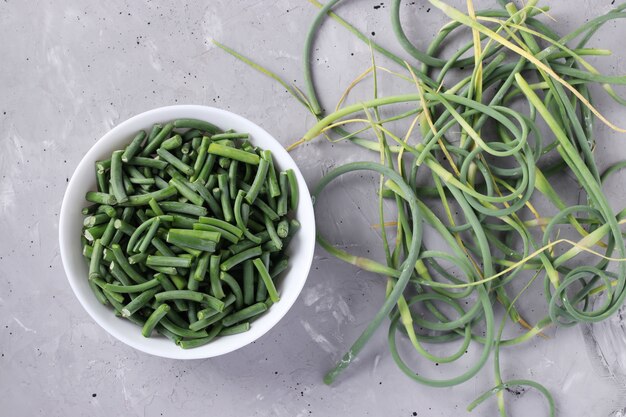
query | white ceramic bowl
(300,250)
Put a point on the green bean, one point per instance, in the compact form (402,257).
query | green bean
(168,286)
(214,276)
(175,261)
(174,161)
(195,142)
(213,302)
(210,320)
(90,209)
(102,182)
(222,225)
(267,280)
(266,210)
(238,258)
(184,208)
(206,195)
(239,328)
(203,316)
(231,135)
(272,180)
(156,128)
(179,282)
(244,314)
(200,125)
(138,302)
(238,209)
(103,165)
(209,313)
(193,285)
(142,181)
(258,182)
(148,162)
(247,244)
(132,288)
(183,222)
(95,232)
(137,233)
(194,239)
(100,198)
(233,153)
(96,259)
(206,169)
(144,199)
(191,134)
(119,274)
(193,343)
(96,219)
(171,143)
(154,318)
(200,161)
(154,144)
(127,186)
(109,232)
(147,238)
(181,331)
(248,282)
(232,178)
(274,238)
(224,234)
(281,205)
(97,291)
(227,209)
(133,147)
(179,295)
(294,194)
(187,192)
(154,205)
(282,229)
(234,288)
(126,267)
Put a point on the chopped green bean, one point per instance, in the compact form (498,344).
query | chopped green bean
(179,295)
(174,161)
(214,276)
(175,261)
(100,198)
(171,143)
(244,314)
(154,318)
(239,328)
(200,125)
(267,280)
(195,239)
(132,288)
(258,182)
(134,146)
(233,153)
(138,302)
(154,144)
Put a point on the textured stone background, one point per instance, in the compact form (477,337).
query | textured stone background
(71,70)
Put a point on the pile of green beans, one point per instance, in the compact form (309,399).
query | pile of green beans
(188,230)
(471,169)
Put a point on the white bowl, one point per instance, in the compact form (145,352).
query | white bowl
(300,250)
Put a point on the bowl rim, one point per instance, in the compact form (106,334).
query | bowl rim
(159,115)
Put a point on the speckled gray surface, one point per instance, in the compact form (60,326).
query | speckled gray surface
(71,70)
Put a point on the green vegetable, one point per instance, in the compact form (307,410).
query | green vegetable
(484,165)
(161,221)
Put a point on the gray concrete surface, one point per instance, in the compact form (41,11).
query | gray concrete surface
(71,70)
